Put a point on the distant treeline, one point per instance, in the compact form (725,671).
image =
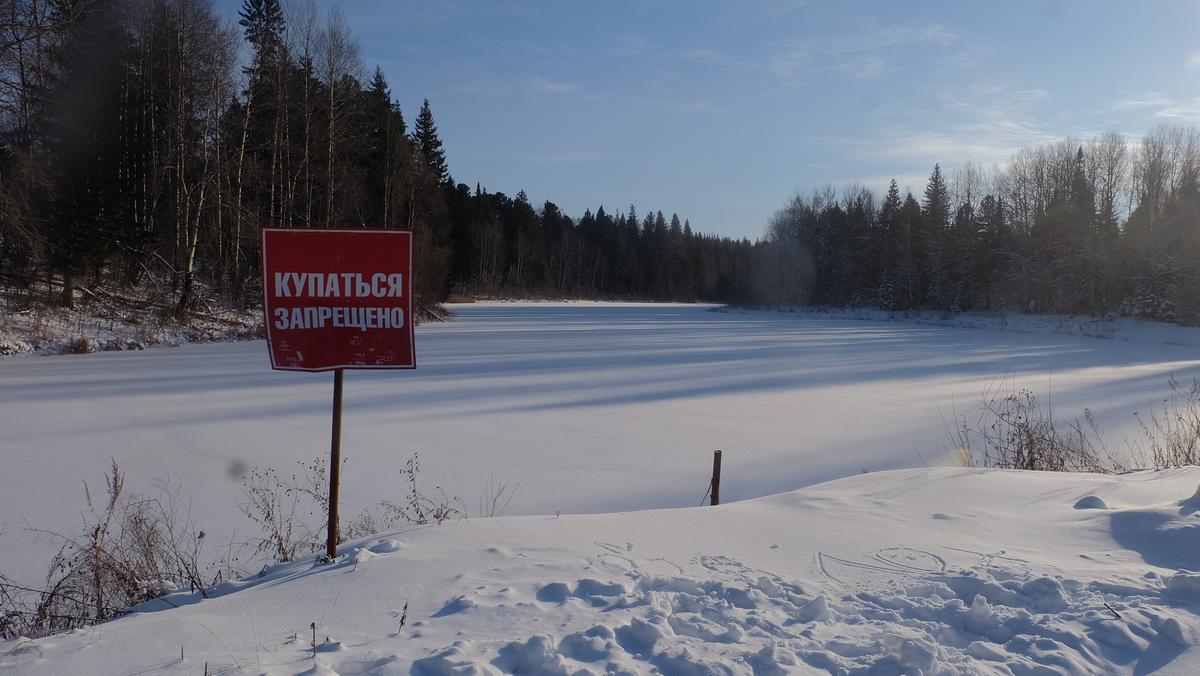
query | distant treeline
(1102,226)
(139,150)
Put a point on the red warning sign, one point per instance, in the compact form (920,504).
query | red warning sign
(338,299)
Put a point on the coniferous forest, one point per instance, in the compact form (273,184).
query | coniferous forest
(145,142)
(1104,226)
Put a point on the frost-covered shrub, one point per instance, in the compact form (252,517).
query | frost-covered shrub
(10,346)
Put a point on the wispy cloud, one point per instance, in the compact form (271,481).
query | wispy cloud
(982,124)
(1164,107)
(785,60)
(863,55)
(969,58)
(894,36)
(1193,60)
(1144,100)
(1182,110)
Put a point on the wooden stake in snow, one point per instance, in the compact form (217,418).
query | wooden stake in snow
(335,466)
(715,486)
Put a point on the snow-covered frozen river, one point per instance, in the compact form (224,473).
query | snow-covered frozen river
(593,407)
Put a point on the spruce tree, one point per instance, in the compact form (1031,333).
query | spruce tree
(379,96)
(935,213)
(911,242)
(263,24)
(425,135)
(936,208)
(889,226)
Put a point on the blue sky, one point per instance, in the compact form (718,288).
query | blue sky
(722,110)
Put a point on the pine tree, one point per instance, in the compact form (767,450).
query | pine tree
(425,135)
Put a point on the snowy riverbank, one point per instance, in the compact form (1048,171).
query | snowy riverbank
(935,571)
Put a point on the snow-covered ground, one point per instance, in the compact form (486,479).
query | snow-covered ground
(594,407)
(600,407)
(928,571)
(97,326)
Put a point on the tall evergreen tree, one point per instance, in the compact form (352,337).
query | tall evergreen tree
(425,135)
(935,216)
(263,23)
(936,206)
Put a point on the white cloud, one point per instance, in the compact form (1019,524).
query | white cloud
(981,124)
(1144,100)
(1193,60)
(1181,110)
(1166,107)
(863,55)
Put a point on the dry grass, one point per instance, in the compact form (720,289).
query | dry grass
(1015,429)
(1170,436)
(131,549)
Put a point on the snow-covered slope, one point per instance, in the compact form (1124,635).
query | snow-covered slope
(909,571)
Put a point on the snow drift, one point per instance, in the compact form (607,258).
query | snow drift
(932,571)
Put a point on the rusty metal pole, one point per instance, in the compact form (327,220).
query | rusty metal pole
(335,466)
(716,478)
